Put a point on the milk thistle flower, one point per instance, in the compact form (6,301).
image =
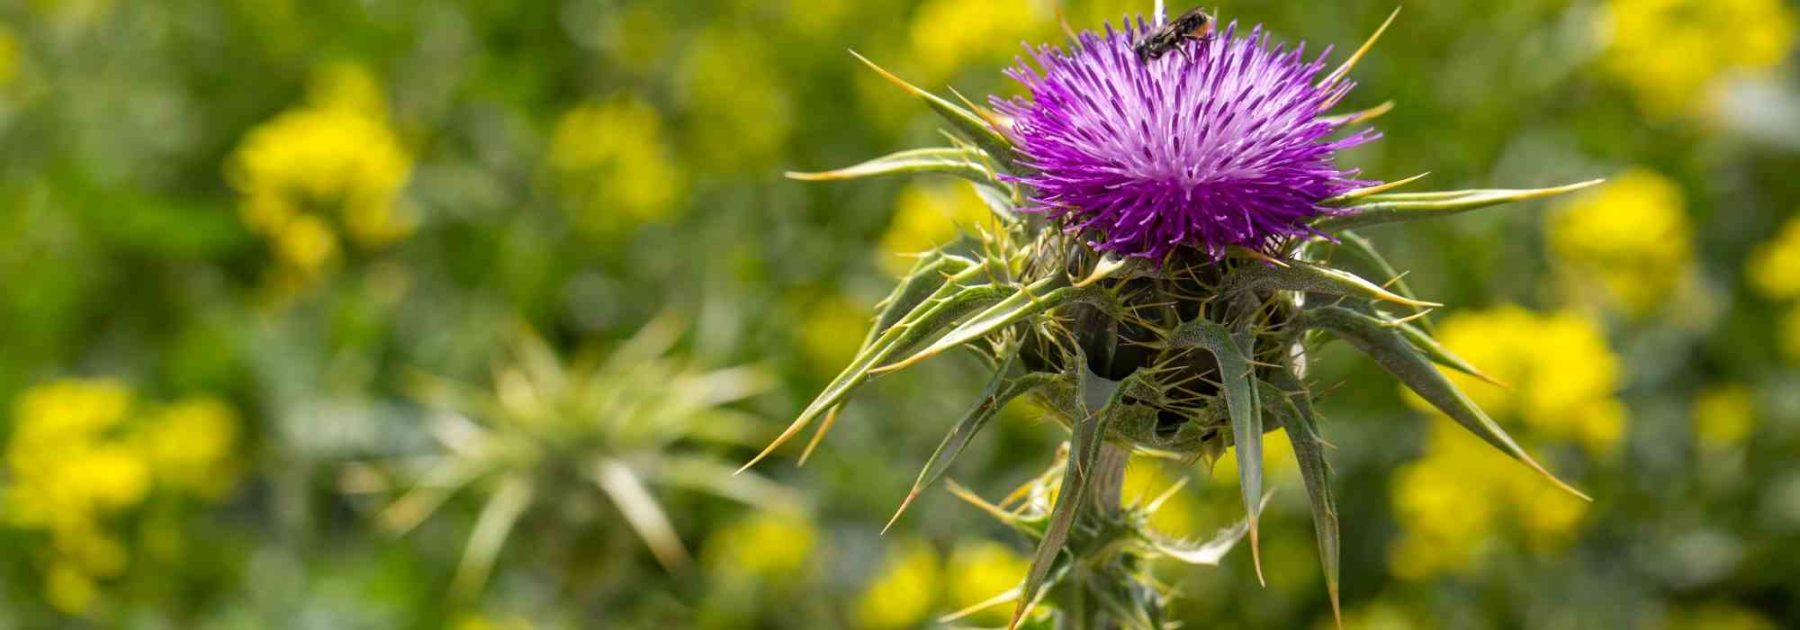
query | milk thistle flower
(1159,264)
(1227,146)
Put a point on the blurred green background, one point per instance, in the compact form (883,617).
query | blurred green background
(389,314)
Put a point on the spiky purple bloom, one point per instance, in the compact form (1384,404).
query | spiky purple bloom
(1222,143)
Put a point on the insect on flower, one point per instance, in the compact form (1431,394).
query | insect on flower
(1195,25)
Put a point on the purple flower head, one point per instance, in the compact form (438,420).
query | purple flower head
(1221,143)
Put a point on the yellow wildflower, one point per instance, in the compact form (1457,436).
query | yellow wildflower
(1724,415)
(905,591)
(741,111)
(335,161)
(1147,478)
(611,159)
(82,452)
(1669,52)
(1631,237)
(1560,376)
(768,545)
(928,215)
(833,332)
(978,572)
(949,34)
(1720,616)
(1463,497)
(189,443)
(1774,267)
(1790,334)
(9,56)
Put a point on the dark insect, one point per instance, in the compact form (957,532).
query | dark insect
(1195,25)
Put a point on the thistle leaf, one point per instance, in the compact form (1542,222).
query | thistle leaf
(964,163)
(1243,404)
(1365,251)
(496,521)
(1002,388)
(1020,304)
(1394,207)
(1304,276)
(966,122)
(1437,353)
(1084,451)
(1392,351)
(1301,424)
(641,512)
(1209,552)
(947,305)
(1346,198)
(1344,70)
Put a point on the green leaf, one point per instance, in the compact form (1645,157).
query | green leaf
(966,122)
(1298,275)
(1301,424)
(1392,351)
(947,305)
(1084,452)
(1365,251)
(964,162)
(1020,304)
(1208,552)
(496,521)
(1242,402)
(1002,388)
(641,511)
(1395,207)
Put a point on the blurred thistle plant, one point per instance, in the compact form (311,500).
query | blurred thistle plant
(1155,275)
(550,441)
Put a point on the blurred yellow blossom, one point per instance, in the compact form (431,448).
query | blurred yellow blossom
(334,161)
(1724,415)
(188,445)
(1560,377)
(484,622)
(83,451)
(1147,478)
(1463,497)
(905,592)
(927,215)
(833,329)
(980,570)
(1719,616)
(1375,616)
(740,112)
(768,545)
(949,34)
(1630,239)
(9,56)
(1457,501)
(611,160)
(1670,51)
(1774,267)
(819,18)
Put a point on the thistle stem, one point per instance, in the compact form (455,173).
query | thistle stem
(1104,505)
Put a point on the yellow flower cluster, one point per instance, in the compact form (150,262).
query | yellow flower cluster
(1463,496)
(1724,415)
(1630,240)
(769,545)
(950,34)
(1774,272)
(928,215)
(1669,52)
(83,451)
(741,114)
(333,165)
(611,161)
(915,582)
